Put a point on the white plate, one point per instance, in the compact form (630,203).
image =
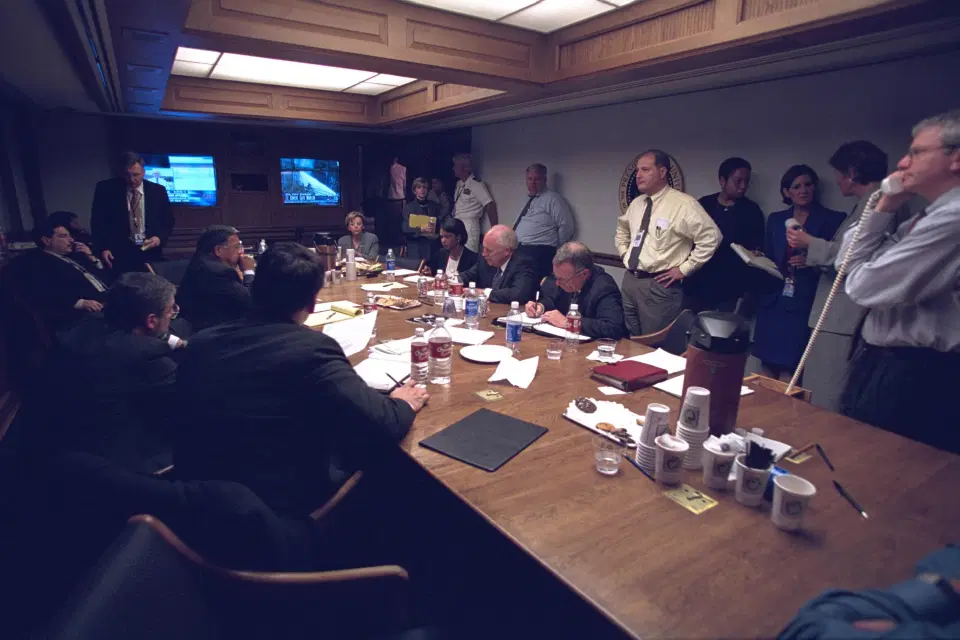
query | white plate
(613,412)
(486,353)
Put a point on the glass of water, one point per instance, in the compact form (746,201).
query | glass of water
(607,454)
(607,350)
(555,348)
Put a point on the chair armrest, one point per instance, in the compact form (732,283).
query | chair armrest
(341,493)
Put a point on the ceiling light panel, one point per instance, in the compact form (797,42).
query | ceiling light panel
(201,56)
(550,15)
(484,9)
(370,88)
(622,3)
(393,81)
(196,69)
(241,68)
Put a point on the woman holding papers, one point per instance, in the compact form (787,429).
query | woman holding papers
(420,217)
(367,245)
(454,257)
(781,332)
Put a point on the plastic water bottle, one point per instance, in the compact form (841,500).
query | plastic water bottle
(262,247)
(514,327)
(440,282)
(471,307)
(369,306)
(391,260)
(420,358)
(455,291)
(441,354)
(482,303)
(573,327)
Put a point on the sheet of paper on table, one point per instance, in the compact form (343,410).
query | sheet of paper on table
(527,320)
(383,287)
(612,391)
(674,386)
(519,373)
(546,327)
(353,335)
(663,359)
(415,279)
(375,372)
(403,272)
(595,356)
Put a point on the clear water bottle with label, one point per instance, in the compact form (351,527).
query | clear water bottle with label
(514,326)
(369,306)
(441,354)
(391,260)
(455,293)
(420,358)
(471,307)
(440,282)
(573,327)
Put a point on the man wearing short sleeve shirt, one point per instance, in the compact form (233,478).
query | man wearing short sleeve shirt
(545,222)
(472,201)
(664,236)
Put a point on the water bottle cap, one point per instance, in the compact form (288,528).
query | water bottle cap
(514,305)
(419,331)
(574,306)
(473,285)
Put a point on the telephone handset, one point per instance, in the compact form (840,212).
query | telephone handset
(892,184)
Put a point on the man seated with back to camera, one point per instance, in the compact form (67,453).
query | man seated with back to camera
(216,284)
(291,409)
(576,279)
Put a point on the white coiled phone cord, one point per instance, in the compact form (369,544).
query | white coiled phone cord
(837,283)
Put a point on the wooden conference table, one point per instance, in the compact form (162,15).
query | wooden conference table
(650,566)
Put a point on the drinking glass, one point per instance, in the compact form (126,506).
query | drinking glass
(607,454)
(555,349)
(607,349)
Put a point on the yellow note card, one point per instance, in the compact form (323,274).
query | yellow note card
(690,499)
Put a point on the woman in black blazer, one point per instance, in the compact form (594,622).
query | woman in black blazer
(454,256)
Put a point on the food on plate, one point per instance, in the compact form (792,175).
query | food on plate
(606,426)
(585,404)
(396,302)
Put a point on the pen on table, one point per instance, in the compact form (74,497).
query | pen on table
(802,449)
(397,383)
(853,503)
(823,454)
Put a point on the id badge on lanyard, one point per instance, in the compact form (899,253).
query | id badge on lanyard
(789,287)
(638,239)
(139,239)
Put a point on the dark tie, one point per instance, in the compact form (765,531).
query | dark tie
(644,225)
(526,208)
(136,221)
(916,219)
(497,279)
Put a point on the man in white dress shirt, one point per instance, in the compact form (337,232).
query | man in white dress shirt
(472,201)
(545,222)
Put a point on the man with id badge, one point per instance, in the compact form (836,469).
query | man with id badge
(131,218)
(664,236)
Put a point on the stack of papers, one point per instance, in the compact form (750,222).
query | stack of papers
(376,373)
(383,287)
(546,327)
(399,350)
(353,335)
(527,320)
(519,373)
(664,359)
(674,386)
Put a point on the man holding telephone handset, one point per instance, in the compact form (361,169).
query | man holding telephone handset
(905,375)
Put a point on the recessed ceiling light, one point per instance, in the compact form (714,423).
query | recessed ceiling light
(196,69)
(550,15)
(483,9)
(393,81)
(370,88)
(197,55)
(621,3)
(241,68)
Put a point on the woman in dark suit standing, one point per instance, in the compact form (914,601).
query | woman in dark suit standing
(781,333)
(454,257)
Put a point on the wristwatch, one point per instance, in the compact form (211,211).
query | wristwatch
(941,583)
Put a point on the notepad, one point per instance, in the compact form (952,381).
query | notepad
(484,439)
(758,262)
(674,386)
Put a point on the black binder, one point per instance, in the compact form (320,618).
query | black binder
(484,439)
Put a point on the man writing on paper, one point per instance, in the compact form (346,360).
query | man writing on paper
(472,201)
(576,279)
(545,222)
(905,375)
(216,284)
(276,406)
(664,236)
(509,275)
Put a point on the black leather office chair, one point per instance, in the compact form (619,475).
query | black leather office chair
(172,270)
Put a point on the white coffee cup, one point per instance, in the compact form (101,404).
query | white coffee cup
(791,495)
(716,467)
(655,423)
(668,469)
(695,412)
(750,483)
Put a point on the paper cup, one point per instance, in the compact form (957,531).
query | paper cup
(750,483)
(669,460)
(791,495)
(695,412)
(716,467)
(646,457)
(656,422)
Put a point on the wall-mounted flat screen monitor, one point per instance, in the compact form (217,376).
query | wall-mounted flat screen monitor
(310,181)
(190,180)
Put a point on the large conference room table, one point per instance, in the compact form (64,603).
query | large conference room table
(653,568)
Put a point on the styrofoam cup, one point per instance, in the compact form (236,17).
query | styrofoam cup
(695,412)
(791,496)
(716,467)
(750,483)
(669,463)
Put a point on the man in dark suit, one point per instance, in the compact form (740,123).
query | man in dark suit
(576,279)
(61,290)
(276,406)
(216,286)
(131,218)
(511,276)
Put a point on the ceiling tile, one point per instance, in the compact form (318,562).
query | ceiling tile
(484,9)
(550,15)
(197,55)
(370,88)
(393,81)
(285,73)
(196,69)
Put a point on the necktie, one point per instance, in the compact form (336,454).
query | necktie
(136,217)
(644,226)
(497,279)
(526,208)
(913,223)
(92,279)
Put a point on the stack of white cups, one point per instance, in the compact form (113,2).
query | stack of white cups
(656,422)
(694,425)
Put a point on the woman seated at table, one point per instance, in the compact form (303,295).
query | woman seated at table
(366,244)
(781,333)
(454,257)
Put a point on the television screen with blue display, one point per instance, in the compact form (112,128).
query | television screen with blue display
(310,181)
(190,180)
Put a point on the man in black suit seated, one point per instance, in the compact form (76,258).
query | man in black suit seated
(576,279)
(61,290)
(291,408)
(216,286)
(131,218)
(82,240)
(111,380)
(511,276)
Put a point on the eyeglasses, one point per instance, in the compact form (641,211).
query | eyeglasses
(571,278)
(174,311)
(913,152)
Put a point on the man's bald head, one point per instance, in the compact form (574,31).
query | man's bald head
(499,243)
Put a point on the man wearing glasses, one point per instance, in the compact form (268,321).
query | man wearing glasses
(576,279)
(216,285)
(905,372)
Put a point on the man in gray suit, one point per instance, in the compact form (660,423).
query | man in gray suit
(859,166)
